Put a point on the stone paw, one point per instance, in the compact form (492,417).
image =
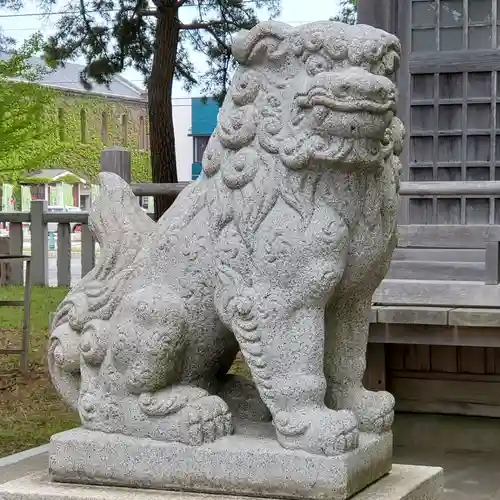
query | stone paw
(374,410)
(205,420)
(169,401)
(320,431)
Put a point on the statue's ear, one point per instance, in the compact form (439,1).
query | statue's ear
(263,41)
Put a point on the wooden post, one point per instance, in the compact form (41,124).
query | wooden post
(5,267)
(492,262)
(403,80)
(117,160)
(378,13)
(63,254)
(375,375)
(393,16)
(88,250)
(26,318)
(16,248)
(39,243)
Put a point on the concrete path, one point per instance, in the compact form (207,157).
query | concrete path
(22,464)
(468,475)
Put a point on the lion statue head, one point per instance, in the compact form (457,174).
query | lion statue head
(315,96)
(305,101)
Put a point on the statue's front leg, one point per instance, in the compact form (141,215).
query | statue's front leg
(284,350)
(347,324)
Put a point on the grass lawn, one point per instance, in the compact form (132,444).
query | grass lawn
(30,409)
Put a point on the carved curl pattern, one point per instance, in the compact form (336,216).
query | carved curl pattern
(237,129)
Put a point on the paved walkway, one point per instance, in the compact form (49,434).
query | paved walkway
(468,475)
(22,467)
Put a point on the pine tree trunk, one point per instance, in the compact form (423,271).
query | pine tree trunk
(161,124)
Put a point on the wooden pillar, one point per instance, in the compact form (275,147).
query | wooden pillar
(63,254)
(39,243)
(16,248)
(117,160)
(5,267)
(88,250)
(393,16)
(379,13)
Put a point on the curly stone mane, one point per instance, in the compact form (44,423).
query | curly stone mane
(260,134)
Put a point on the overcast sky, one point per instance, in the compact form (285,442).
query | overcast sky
(293,12)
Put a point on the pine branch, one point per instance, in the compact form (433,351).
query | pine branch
(146,13)
(200,26)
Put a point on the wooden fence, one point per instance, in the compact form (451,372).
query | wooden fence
(118,160)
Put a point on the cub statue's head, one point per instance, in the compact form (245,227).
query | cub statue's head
(312,97)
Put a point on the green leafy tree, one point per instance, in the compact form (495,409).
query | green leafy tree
(24,105)
(347,12)
(150,36)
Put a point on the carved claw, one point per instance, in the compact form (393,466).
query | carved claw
(168,401)
(374,410)
(155,407)
(343,442)
(382,424)
(206,420)
(320,431)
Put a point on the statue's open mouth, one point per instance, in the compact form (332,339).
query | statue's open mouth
(319,96)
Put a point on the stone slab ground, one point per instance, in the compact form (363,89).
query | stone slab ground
(403,483)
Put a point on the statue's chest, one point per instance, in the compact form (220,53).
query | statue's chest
(372,231)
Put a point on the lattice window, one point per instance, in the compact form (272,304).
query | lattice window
(454,107)
(445,25)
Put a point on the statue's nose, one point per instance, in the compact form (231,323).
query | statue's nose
(369,87)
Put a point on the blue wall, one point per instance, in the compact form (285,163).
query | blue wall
(195,170)
(203,122)
(203,116)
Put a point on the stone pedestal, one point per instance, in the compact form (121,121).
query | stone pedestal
(250,462)
(405,482)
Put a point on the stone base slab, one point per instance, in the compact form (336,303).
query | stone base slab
(405,482)
(250,462)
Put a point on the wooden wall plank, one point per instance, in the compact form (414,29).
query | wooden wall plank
(440,254)
(497,361)
(447,236)
(429,270)
(454,61)
(436,335)
(490,360)
(417,357)
(375,375)
(395,356)
(446,396)
(471,360)
(443,359)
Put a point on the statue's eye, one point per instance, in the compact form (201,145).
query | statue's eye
(317,64)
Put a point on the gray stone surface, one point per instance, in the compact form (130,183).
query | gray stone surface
(403,483)
(413,315)
(474,317)
(251,462)
(292,222)
(23,463)
(407,482)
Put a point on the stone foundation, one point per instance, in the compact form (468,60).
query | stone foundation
(405,482)
(250,462)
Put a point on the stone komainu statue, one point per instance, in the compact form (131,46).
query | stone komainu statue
(275,250)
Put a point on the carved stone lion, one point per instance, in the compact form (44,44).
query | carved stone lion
(275,250)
